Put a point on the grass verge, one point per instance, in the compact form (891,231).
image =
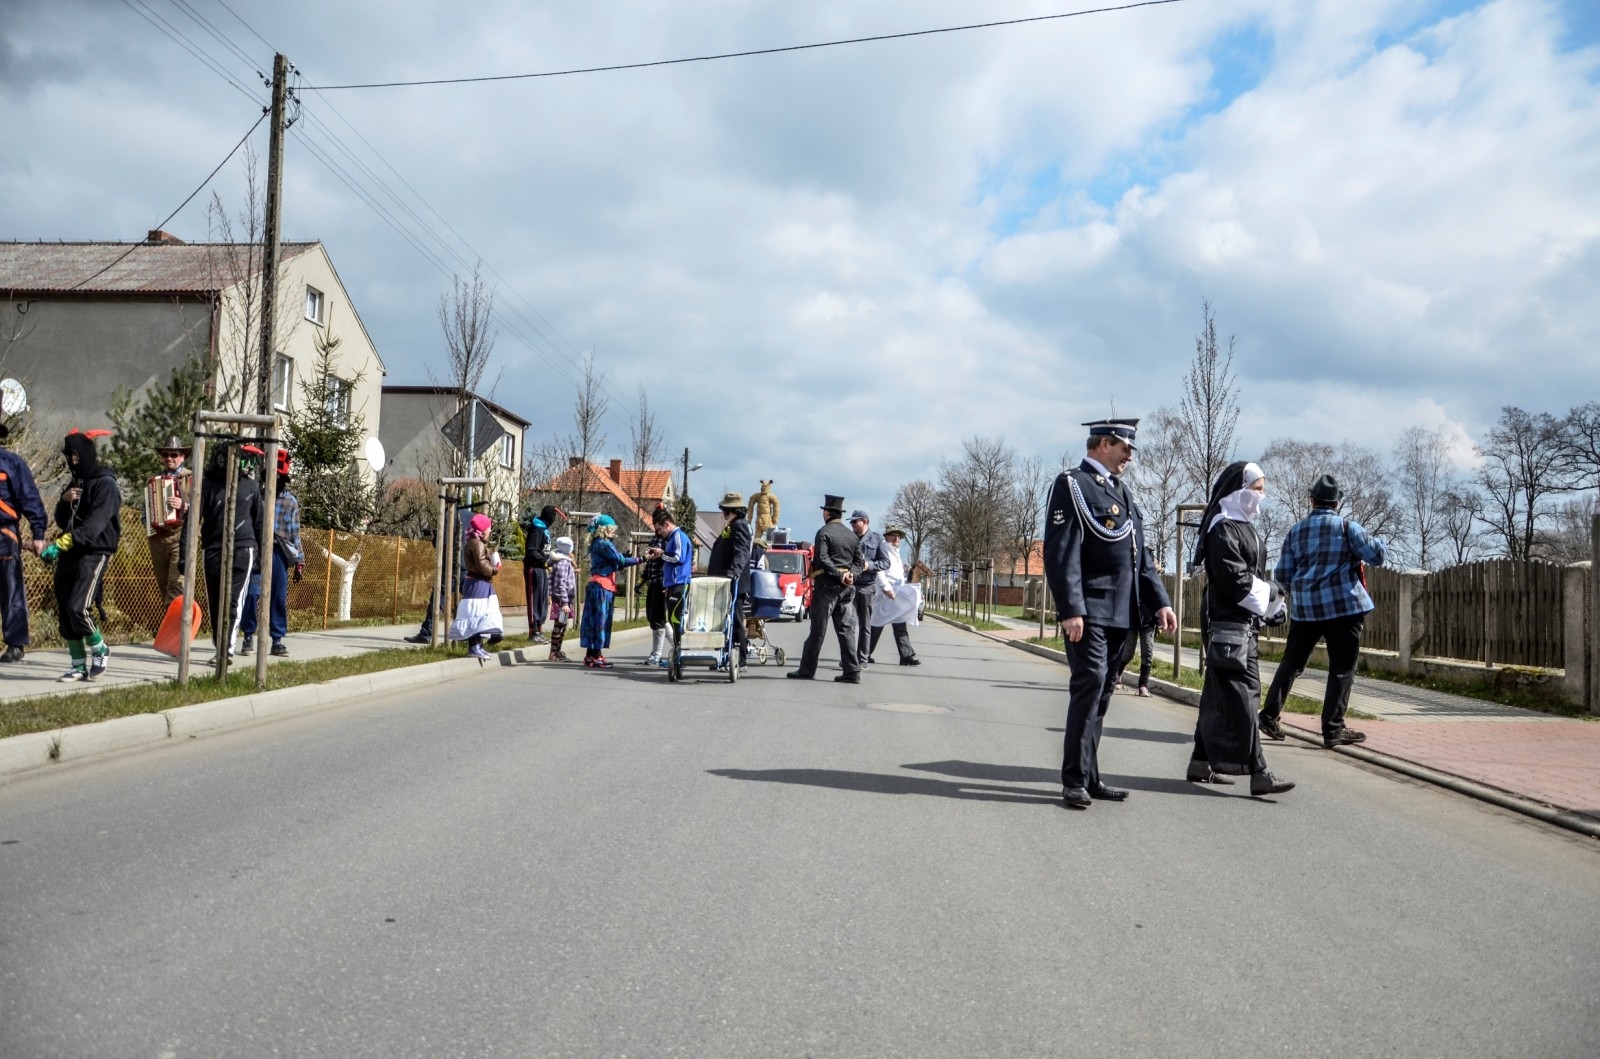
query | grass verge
(976,623)
(46,713)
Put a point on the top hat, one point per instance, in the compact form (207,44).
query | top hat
(732,499)
(173,445)
(1326,490)
(1121,429)
(832,503)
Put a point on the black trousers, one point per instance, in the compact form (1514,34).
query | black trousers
(836,603)
(537,581)
(1226,734)
(655,605)
(902,641)
(244,561)
(76,579)
(1096,661)
(1343,637)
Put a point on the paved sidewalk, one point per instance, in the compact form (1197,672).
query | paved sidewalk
(38,672)
(1549,759)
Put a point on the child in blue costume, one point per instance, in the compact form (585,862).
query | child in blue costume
(598,596)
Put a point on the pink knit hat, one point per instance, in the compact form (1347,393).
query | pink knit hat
(480,525)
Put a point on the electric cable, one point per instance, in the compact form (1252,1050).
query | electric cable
(751,52)
(182,40)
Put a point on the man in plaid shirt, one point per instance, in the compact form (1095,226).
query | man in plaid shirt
(1319,567)
(287,554)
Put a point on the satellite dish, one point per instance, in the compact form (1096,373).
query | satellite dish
(377,459)
(13,398)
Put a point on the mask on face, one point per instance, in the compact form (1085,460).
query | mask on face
(1249,502)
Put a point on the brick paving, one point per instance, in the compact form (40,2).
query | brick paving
(1549,759)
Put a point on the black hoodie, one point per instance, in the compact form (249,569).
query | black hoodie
(213,495)
(95,519)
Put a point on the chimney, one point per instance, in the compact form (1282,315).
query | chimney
(574,461)
(157,237)
(616,471)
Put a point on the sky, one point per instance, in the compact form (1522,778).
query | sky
(828,267)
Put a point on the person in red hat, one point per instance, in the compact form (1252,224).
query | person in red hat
(90,516)
(288,559)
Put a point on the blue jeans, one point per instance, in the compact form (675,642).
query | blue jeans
(278,622)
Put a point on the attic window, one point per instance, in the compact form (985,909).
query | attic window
(313,304)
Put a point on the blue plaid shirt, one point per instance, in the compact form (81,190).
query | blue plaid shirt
(1318,566)
(286,526)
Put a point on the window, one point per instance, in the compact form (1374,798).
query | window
(282,381)
(338,401)
(508,452)
(313,304)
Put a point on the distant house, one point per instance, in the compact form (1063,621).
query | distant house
(627,496)
(427,428)
(82,319)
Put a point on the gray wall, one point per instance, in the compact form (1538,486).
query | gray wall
(72,355)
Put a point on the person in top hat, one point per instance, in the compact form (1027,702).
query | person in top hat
(1104,582)
(730,558)
(875,560)
(1320,567)
(164,533)
(835,562)
(19,499)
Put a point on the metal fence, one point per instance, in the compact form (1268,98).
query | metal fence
(391,581)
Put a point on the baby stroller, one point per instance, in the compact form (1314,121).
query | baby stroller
(708,617)
(766,604)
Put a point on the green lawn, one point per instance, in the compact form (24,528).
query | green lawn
(978,623)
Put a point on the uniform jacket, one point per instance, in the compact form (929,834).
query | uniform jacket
(1095,555)
(874,557)
(835,550)
(19,499)
(730,553)
(95,521)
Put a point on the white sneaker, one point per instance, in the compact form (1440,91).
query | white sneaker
(652,660)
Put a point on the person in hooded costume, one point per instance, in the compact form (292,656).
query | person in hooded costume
(90,516)
(536,569)
(1238,600)
(247,515)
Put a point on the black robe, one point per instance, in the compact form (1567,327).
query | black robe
(1226,735)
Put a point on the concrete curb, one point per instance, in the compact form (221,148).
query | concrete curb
(1566,818)
(24,753)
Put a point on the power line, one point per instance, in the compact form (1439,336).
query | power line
(181,205)
(184,42)
(752,52)
(246,25)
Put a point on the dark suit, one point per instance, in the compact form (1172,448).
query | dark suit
(835,551)
(1100,570)
(875,557)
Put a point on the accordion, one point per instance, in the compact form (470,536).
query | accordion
(159,515)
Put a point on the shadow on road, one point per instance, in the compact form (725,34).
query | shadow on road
(1026,774)
(877,783)
(1149,737)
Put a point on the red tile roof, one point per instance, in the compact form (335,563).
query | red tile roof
(593,480)
(118,268)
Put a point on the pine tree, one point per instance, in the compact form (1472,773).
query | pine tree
(144,425)
(324,435)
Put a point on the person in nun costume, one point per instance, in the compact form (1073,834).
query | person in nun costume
(1238,600)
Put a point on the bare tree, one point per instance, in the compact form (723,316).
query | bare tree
(1292,466)
(1424,479)
(1583,442)
(589,408)
(1026,517)
(1159,481)
(648,445)
(915,509)
(1568,538)
(1460,514)
(234,259)
(1209,408)
(1527,460)
(976,494)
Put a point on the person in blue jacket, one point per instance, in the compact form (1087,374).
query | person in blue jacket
(19,499)
(676,554)
(601,592)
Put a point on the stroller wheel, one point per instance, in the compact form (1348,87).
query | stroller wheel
(780,656)
(733,671)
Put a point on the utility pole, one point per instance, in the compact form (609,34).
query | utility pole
(269,239)
(686,469)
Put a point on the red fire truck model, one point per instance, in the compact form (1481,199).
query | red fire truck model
(792,564)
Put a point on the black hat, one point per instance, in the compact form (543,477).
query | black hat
(1122,429)
(173,445)
(833,503)
(1325,490)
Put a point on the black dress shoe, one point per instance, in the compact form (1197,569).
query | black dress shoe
(1101,793)
(1076,798)
(797,675)
(417,638)
(911,661)
(1270,728)
(13,653)
(850,678)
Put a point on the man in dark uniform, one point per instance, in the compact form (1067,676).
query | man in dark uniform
(730,558)
(874,558)
(1104,582)
(835,562)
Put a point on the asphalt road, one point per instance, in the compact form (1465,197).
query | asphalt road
(541,862)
